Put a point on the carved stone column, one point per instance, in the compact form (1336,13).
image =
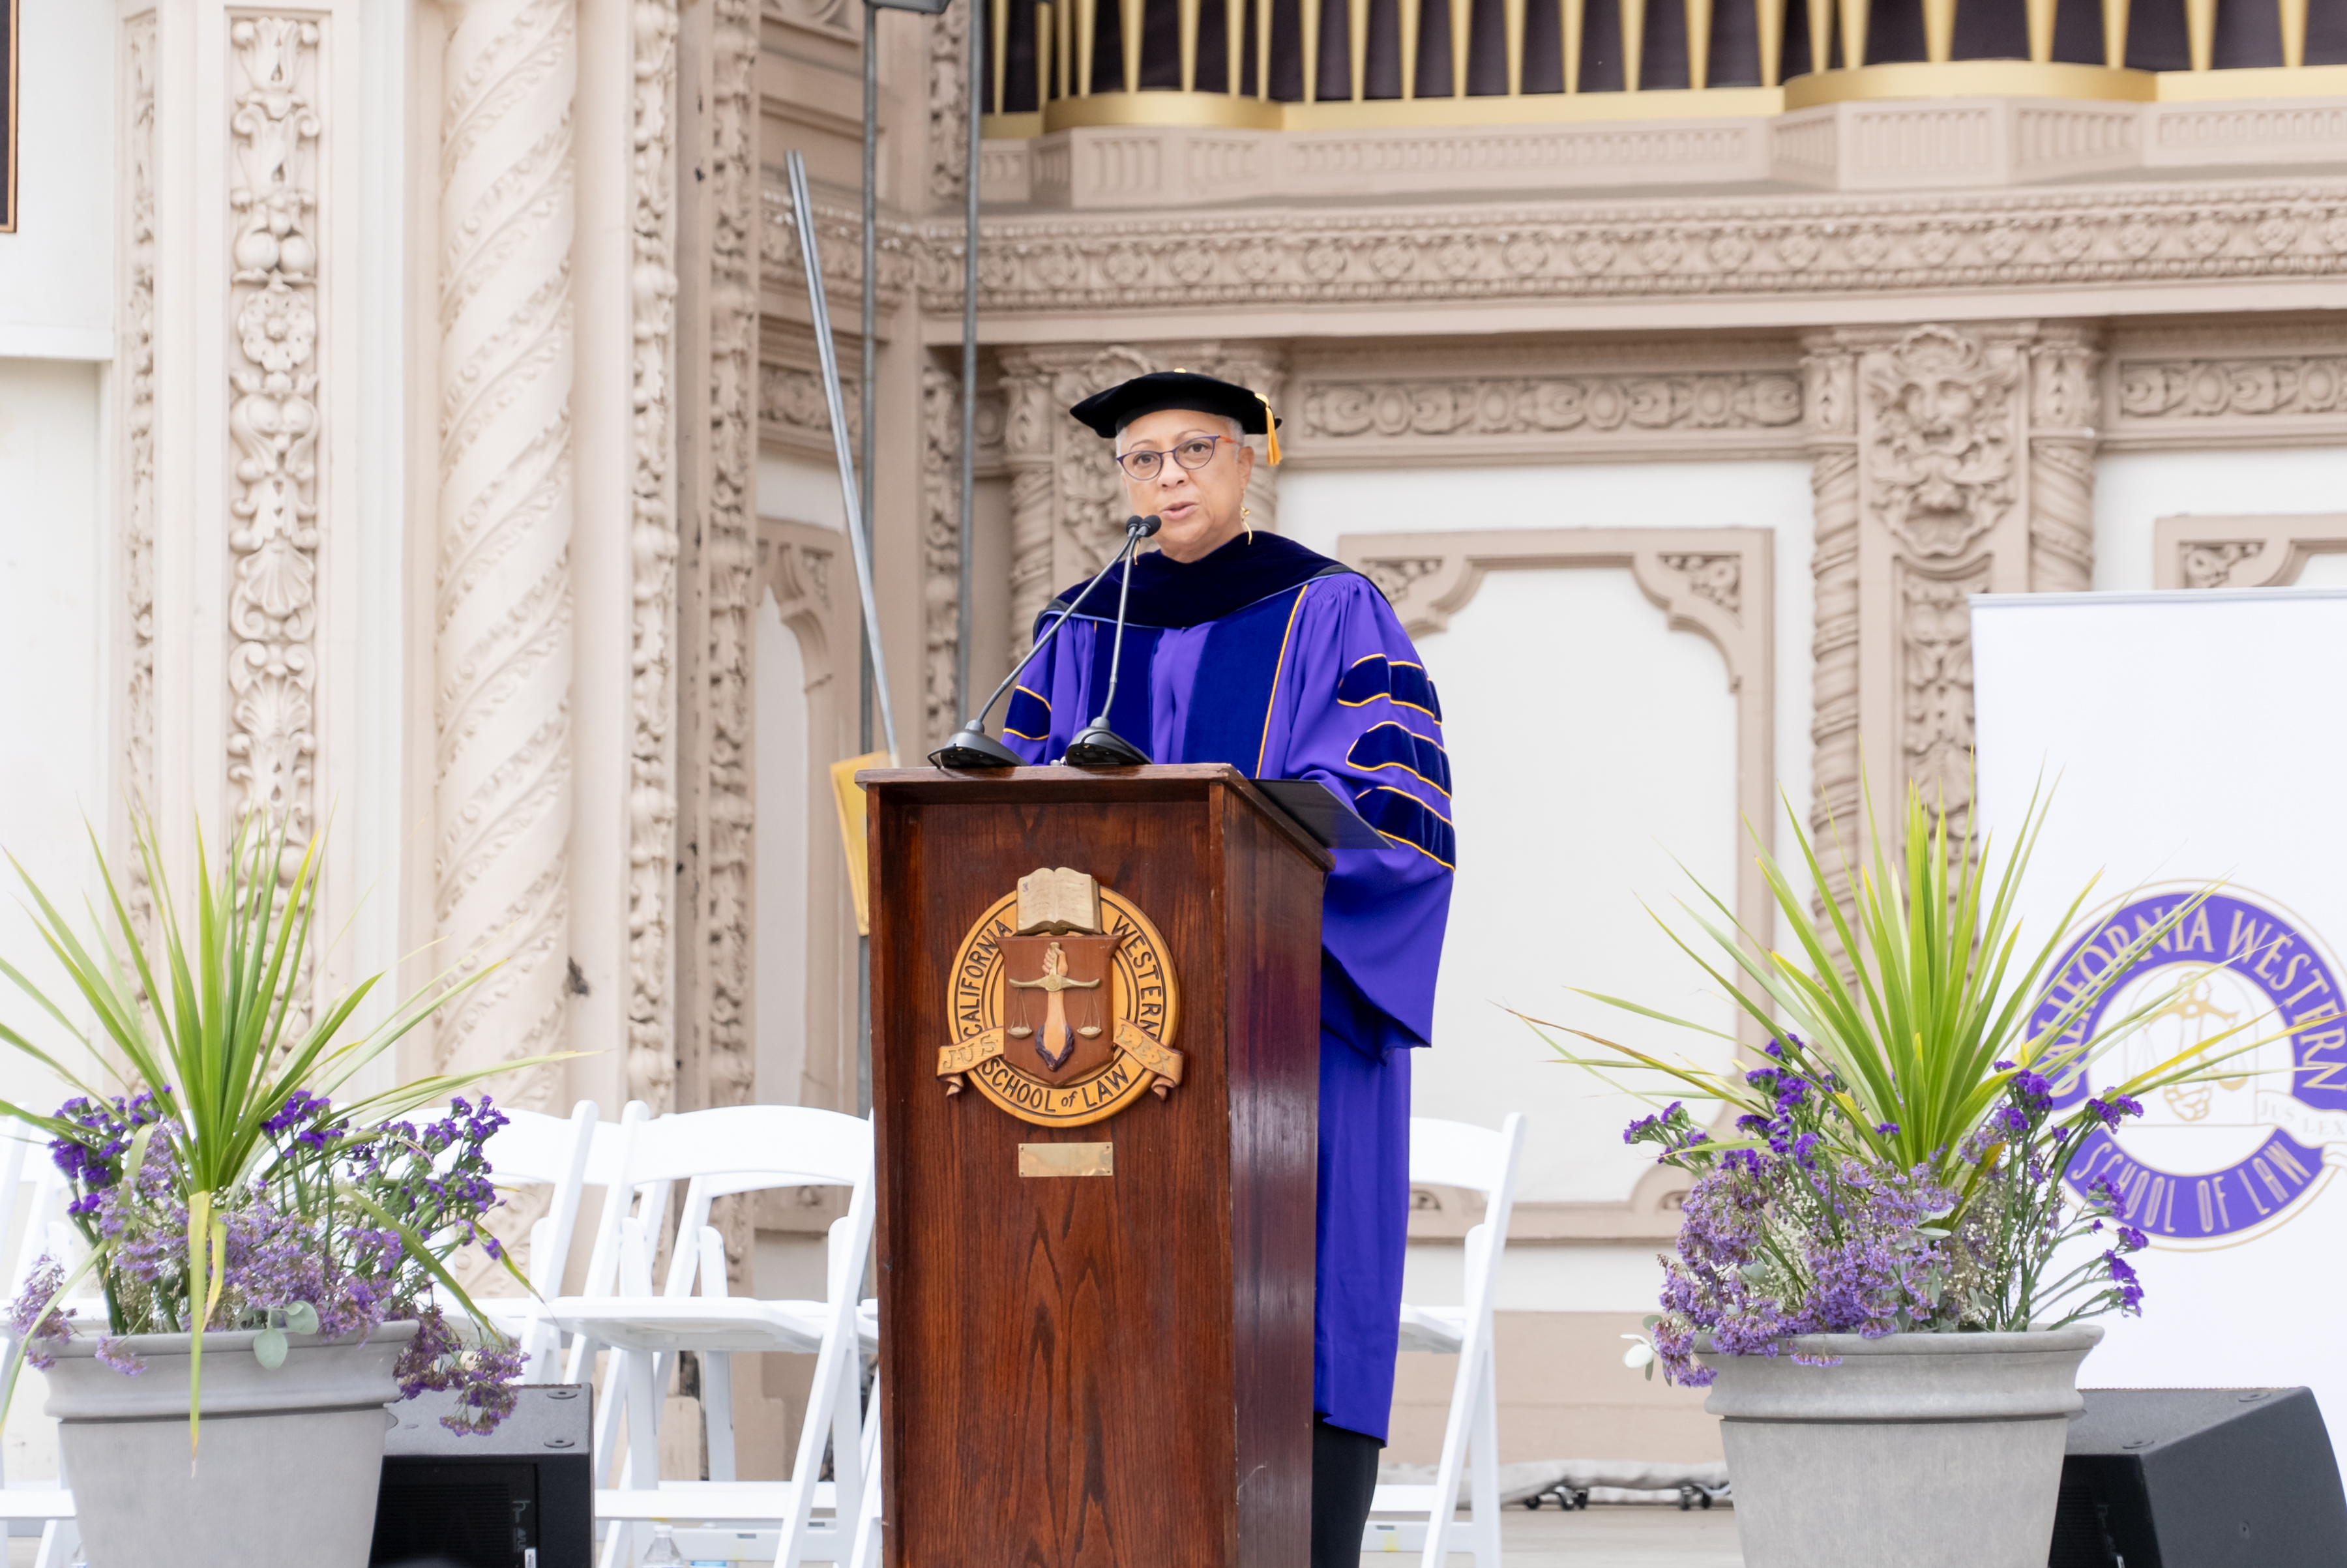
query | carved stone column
(2064,392)
(1948,461)
(502,703)
(1030,441)
(652,539)
(941,705)
(1067,506)
(717,359)
(1830,374)
(135,731)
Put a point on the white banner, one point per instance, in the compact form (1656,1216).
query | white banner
(2191,739)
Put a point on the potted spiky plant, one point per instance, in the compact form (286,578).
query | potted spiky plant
(1883,1273)
(260,1250)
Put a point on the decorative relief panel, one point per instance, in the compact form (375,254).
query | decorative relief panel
(1812,246)
(840,231)
(2230,399)
(2248,388)
(1410,419)
(1947,461)
(1717,577)
(1397,576)
(652,756)
(792,411)
(948,98)
(2243,551)
(1941,470)
(941,539)
(1935,730)
(137,438)
(714,952)
(940,552)
(834,18)
(273,417)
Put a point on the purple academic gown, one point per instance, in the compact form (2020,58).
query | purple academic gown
(1285,664)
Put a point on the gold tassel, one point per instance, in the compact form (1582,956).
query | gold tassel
(1270,431)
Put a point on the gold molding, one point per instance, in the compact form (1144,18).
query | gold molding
(1220,111)
(2253,82)
(1196,111)
(1972,80)
(1908,81)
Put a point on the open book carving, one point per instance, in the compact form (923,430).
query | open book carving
(1058,901)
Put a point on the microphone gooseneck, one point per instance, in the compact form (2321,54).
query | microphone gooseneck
(1099,746)
(971,746)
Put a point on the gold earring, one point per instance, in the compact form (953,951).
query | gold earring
(1245,513)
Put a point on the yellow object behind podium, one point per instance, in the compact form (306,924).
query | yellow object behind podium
(850,801)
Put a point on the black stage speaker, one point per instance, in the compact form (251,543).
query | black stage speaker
(2200,1478)
(522,1497)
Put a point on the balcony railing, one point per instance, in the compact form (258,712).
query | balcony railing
(1339,64)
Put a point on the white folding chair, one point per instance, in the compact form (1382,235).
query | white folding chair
(1454,1154)
(536,1150)
(719,1153)
(28,1173)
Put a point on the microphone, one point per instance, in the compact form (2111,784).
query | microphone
(1099,746)
(971,746)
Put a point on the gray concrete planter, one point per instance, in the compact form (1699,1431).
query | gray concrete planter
(1926,1450)
(289,1465)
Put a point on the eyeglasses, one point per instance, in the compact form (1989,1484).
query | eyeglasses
(1193,453)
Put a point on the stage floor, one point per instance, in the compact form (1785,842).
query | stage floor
(1603,1537)
(1597,1537)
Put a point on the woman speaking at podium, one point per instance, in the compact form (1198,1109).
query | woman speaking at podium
(1245,648)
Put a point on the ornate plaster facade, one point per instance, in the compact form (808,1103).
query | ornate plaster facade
(437,501)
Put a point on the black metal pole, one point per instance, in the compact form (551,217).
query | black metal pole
(870,292)
(978,21)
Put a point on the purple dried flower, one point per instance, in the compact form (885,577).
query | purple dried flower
(2127,1291)
(38,1325)
(118,1354)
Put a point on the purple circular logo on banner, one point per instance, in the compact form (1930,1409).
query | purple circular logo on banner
(2213,1163)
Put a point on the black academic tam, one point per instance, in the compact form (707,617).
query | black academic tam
(1106,413)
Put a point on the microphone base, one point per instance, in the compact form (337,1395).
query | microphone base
(972,747)
(1102,747)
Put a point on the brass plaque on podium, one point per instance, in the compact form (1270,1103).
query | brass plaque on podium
(1067,1159)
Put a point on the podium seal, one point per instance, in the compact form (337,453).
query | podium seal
(1062,1003)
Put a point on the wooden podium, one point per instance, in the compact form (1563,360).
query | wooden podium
(1096,1282)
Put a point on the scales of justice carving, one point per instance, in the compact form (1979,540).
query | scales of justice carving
(1062,1004)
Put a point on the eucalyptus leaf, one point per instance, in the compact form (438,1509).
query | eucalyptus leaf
(269,1348)
(302,1317)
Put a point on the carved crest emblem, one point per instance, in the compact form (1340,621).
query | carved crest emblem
(1062,1004)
